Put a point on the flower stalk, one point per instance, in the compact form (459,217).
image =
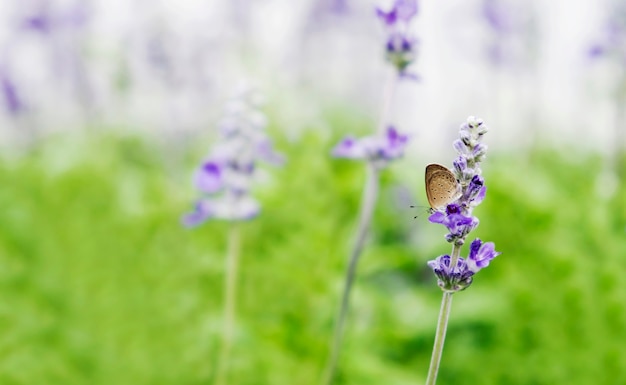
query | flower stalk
(370,195)
(442,325)
(378,150)
(230,297)
(455,273)
(224,180)
(440,336)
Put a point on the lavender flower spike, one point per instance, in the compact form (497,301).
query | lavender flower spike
(401,46)
(457,224)
(225,177)
(379,150)
(455,273)
(461,276)
(458,217)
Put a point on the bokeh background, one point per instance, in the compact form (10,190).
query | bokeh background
(108,107)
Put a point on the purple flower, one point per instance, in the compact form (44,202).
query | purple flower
(499,16)
(209,178)
(458,217)
(457,275)
(461,168)
(379,150)
(39,23)
(45,20)
(461,276)
(201,213)
(480,255)
(12,100)
(596,50)
(224,179)
(612,41)
(401,50)
(451,279)
(401,11)
(389,18)
(475,192)
(511,26)
(400,46)
(405,9)
(265,151)
(457,224)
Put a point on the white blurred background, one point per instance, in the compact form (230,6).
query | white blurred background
(166,67)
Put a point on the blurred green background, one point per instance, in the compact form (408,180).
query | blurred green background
(100,284)
(107,107)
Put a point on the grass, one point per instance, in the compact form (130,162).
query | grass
(101,285)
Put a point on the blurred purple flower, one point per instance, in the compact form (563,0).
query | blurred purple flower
(225,177)
(209,177)
(265,152)
(401,45)
(38,23)
(12,101)
(44,20)
(499,16)
(379,150)
(405,9)
(401,11)
(512,34)
(612,40)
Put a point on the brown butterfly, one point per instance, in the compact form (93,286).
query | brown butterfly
(442,188)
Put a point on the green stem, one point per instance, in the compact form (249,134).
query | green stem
(370,194)
(232,257)
(442,324)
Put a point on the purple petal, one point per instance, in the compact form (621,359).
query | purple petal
(437,217)
(480,196)
(265,151)
(200,214)
(460,164)
(38,23)
(12,100)
(209,177)
(474,247)
(405,9)
(481,254)
(388,18)
(474,189)
(498,16)
(455,221)
(460,147)
(349,148)
(394,145)
(596,51)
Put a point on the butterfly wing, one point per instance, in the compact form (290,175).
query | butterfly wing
(442,187)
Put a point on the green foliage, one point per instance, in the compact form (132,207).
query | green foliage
(101,285)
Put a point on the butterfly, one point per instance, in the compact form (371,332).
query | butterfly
(442,188)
